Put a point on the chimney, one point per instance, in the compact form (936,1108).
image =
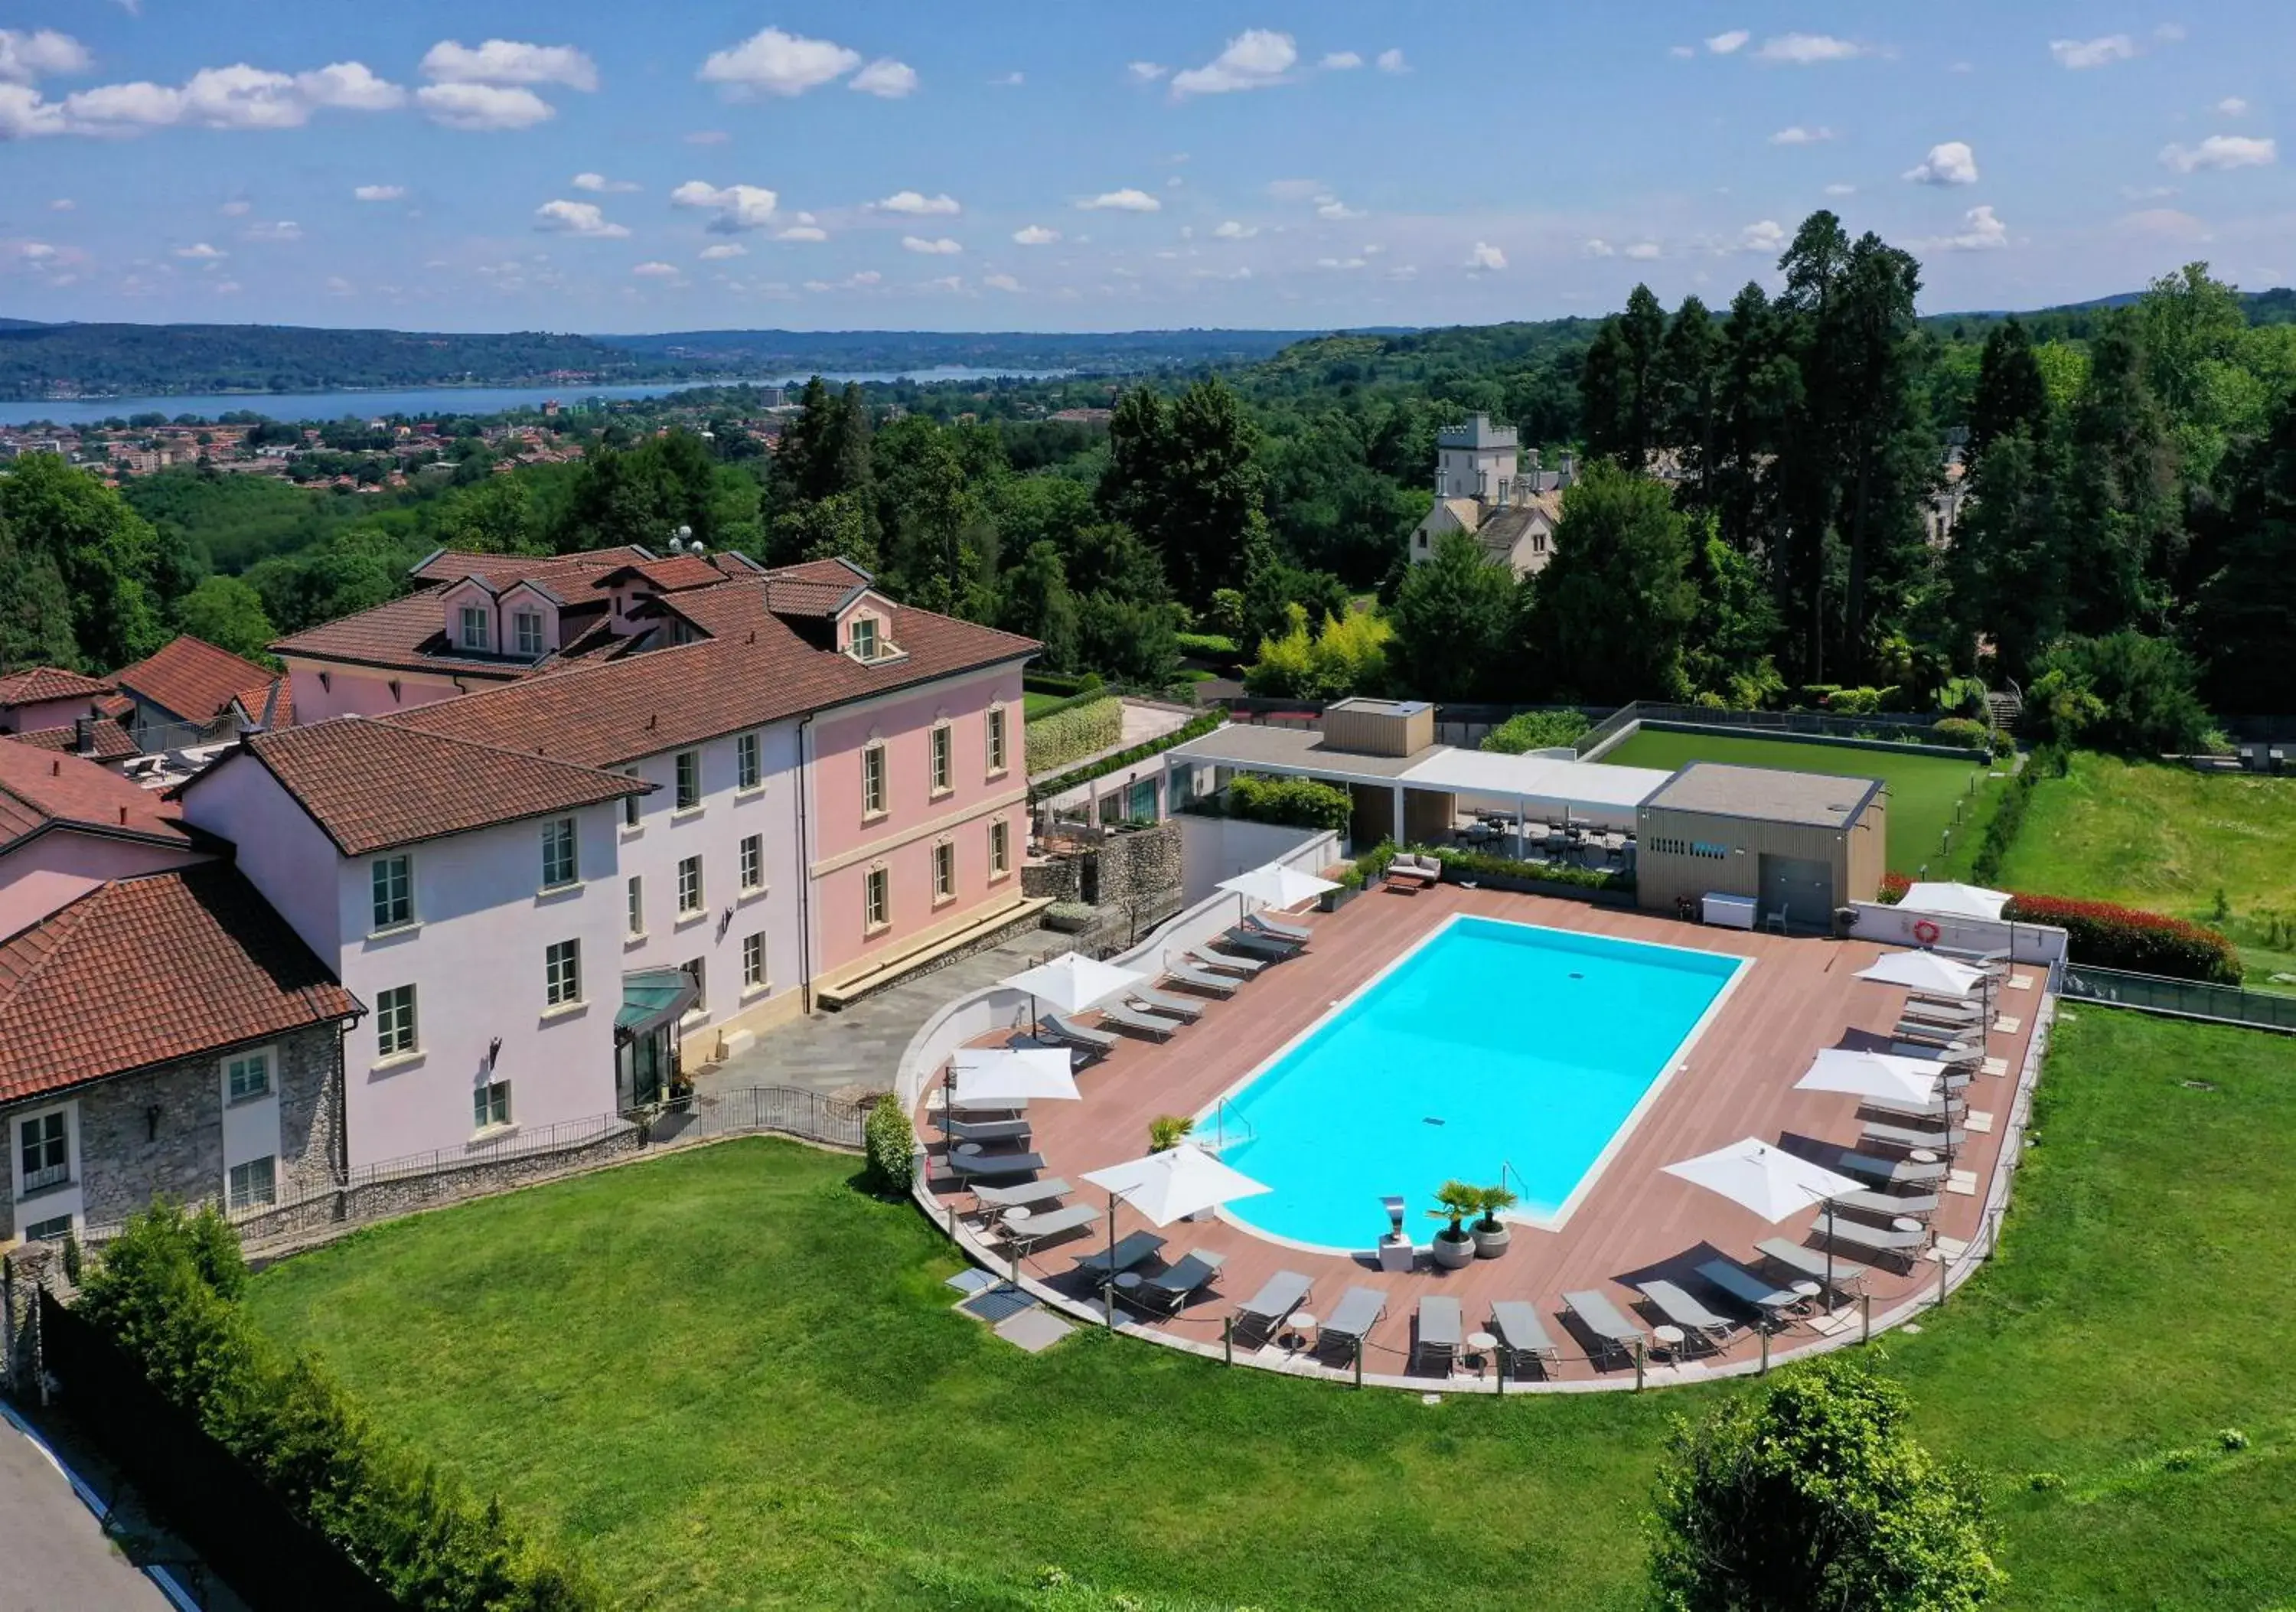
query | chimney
(83,736)
(1531,454)
(1570,468)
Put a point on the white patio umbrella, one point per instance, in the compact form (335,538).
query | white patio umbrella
(1170,1186)
(1071,982)
(1926,972)
(1873,1074)
(1273,885)
(986,1076)
(1769,1180)
(1947,900)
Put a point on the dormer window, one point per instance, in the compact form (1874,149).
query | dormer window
(475,634)
(861,638)
(526,633)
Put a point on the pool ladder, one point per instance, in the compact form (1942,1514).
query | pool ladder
(1223,1118)
(1506,1169)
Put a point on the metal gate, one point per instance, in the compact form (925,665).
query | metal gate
(1801,890)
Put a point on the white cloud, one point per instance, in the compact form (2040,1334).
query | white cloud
(738,207)
(239,96)
(1949,163)
(724,250)
(1485,258)
(1127,201)
(349,86)
(772,62)
(886,78)
(25,58)
(918,205)
(1005,283)
(942,246)
(2219,151)
(1254,59)
(1768,235)
(1390,60)
(2079,53)
(1036,234)
(378,192)
(582,218)
(1341,61)
(1680,53)
(337,286)
(1146,72)
(481,108)
(1230,230)
(1297,190)
(283,229)
(1840,189)
(602,185)
(1728,44)
(200,252)
(1643,251)
(1980,231)
(1340,263)
(2232,106)
(1012,80)
(656,270)
(62,204)
(1332,208)
(236,209)
(509,62)
(804,229)
(1808,50)
(1797,135)
(227,288)
(1599,247)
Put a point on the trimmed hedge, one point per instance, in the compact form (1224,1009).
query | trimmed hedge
(1071,734)
(2009,812)
(1296,802)
(1061,683)
(1207,646)
(2105,935)
(1483,864)
(1070,702)
(1195,728)
(1529,730)
(891,1142)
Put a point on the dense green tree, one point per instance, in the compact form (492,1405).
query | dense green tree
(106,555)
(1454,621)
(2011,395)
(1613,610)
(1129,642)
(36,613)
(643,495)
(1727,651)
(495,516)
(1037,603)
(2146,690)
(228,613)
(2243,628)
(1184,478)
(1691,382)
(2122,492)
(1623,391)
(1109,558)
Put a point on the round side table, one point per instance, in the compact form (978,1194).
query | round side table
(1301,1324)
(1668,1336)
(1480,1346)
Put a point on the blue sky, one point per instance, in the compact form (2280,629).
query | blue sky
(1030,164)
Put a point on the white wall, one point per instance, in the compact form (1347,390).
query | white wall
(1213,849)
(283,853)
(1891,925)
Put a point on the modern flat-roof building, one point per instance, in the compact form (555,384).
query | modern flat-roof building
(1798,843)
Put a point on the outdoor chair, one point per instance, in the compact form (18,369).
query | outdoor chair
(993,1165)
(1026,1195)
(986,1131)
(1173,1287)
(1924,1010)
(1952,1055)
(1440,1330)
(1062,1028)
(1895,1172)
(1268,1308)
(1037,1229)
(1522,1339)
(1759,1294)
(1358,1310)
(1265,947)
(1813,1264)
(1919,1205)
(1927,1036)
(1298,935)
(1600,1317)
(1910,1137)
(1199,979)
(1138,1249)
(1170,1006)
(1246,966)
(1920,1114)
(1143,1023)
(1877,1239)
(1413,872)
(1700,1326)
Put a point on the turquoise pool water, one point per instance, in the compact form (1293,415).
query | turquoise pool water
(1492,1044)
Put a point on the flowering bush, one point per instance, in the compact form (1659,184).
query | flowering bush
(2106,935)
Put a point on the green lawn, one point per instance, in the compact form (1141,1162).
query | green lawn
(1924,791)
(734,1382)
(1034,704)
(2169,839)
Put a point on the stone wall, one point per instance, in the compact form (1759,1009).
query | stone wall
(1141,863)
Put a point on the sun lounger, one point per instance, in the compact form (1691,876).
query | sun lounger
(1954,1055)
(1357,1314)
(1757,1293)
(1173,1286)
(986,1131)
(1937,1035)
(1170,1006)
(1265,947)
(1878,1239)
(1440,1330)
(993,1165)
(1145,1024)
(1199,979)
(1699,1324)
(1136,1249)
(1037,1229)
(1269,1308)
(1924,1011)
(1917,1113)
(1913,1136)
(1027,1195)
(1602,1318)
(1896,1172)
(1813,1264)
(1522,1339)
(1297,934)
(1889,1204)
(1245,966)
(1062,1028)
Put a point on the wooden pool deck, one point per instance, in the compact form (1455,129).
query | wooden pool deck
(1635,1223)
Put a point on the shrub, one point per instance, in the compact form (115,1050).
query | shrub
(1059,682)
(1964,731)
(2142,694)
(2009,813)
(1348,655)
(891,1144)
(1458,861)
(1529,730)
(1300,803)
(1195,728)
(1207,646)
(1075,732)
(2105,935)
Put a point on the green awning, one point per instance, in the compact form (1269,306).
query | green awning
(651,999)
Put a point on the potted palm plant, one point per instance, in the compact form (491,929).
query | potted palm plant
(1166,1131)
(1455,1245)
(1490,1231)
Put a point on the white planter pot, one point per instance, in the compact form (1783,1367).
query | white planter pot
(1454,1256)
(1490,1245)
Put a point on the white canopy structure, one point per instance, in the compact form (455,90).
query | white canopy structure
(1947,899)
(1542,786)
(989,1075)
(1274,884)
(1769,1181)
(1926,972)
(1881,1075)
(1073,981)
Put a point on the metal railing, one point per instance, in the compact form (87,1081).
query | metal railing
(2185,999)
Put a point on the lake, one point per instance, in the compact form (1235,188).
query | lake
(427,400)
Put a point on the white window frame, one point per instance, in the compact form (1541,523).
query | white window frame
(561,843)
(942,751)
(752,859)
(634,899)
(490,1108)
(996,728)
(561,973)
(685,768)
(266,1057)
(944,871)
(692,899)
(378,921)
(482,640)
(46,1177)
(876,900)
(748,762)
(862,640)
(874,769)
(697,969)
(526,626)
(241,1192)
(392,1039)
(1000,848)
(632,804)
(54,1229)
(753,962)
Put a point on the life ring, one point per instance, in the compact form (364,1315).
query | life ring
(1925,931)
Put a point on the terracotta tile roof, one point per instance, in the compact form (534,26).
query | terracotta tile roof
(452,565)
(843,573)
(111,740)
(801,596)
(194,680)
(405,635)
(40,789)
(144,971)
(672,573)
(37,683)
(753,669)
(371,784)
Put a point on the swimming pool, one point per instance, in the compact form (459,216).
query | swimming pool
(1491,1046)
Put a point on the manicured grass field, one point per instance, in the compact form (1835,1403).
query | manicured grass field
(735,1382)
(2167,839)
(1923,790)
(1034,704)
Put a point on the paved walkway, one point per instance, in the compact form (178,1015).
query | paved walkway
(58,1559)
(863,1045)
